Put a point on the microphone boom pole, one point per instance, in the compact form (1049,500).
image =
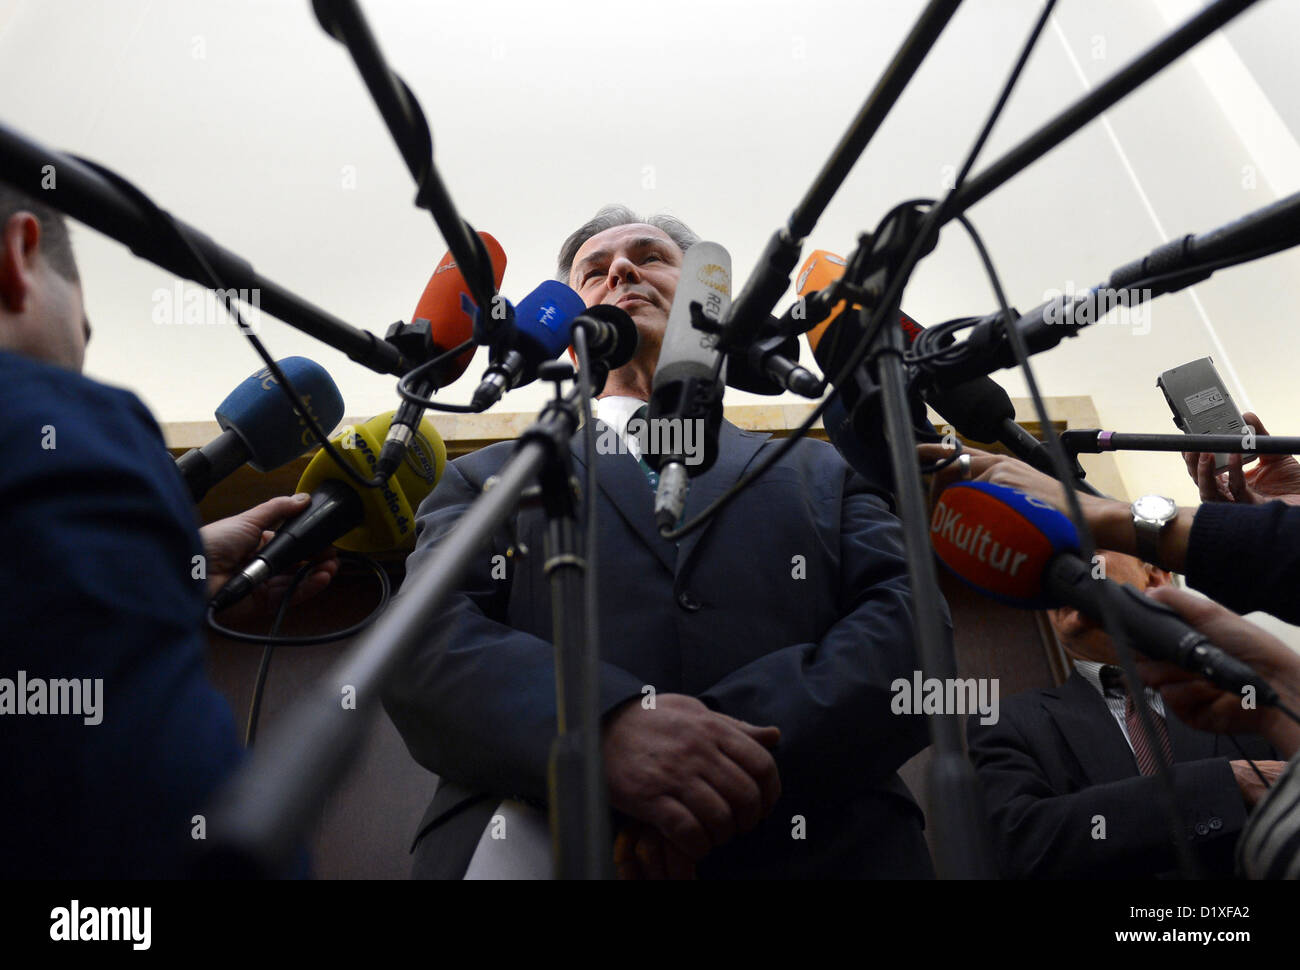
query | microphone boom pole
(80,191)
(343,20)
(772,275)
(1134,74)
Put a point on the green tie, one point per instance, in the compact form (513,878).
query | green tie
(651,475)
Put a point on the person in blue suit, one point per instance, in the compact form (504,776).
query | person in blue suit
(745,679)
(111,736)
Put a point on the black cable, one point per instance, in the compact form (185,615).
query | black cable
(1288,712)
(264,666)
(589,500)
(385,593)
(164,223)
(414,375)
(1250,761)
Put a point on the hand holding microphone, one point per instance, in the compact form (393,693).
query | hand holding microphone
(230,542)
(1110,520)
(1209,708)
(1018,549)
(356,519)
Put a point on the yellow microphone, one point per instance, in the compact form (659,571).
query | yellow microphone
(344,514)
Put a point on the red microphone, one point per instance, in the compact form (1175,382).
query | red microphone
(447,310)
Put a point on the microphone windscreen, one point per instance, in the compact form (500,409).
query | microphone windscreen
(544,324)
(689,353)
(446,304)
(999,541)
(389,523)
(820,270)
(262,415)
(628,339)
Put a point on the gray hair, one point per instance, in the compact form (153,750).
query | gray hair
(620,215)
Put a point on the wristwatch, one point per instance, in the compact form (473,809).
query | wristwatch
(1151,513)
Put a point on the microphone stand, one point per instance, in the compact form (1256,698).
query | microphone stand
(261,814)
(963,845)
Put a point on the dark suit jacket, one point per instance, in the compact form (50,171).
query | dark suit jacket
(790,608)
(97,582)
(1056,759)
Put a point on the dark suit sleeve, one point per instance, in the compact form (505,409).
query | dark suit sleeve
(476,704)
(1042,833)
(1267,578)
(98,584)
(832,698)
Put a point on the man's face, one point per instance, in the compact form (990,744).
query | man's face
(1082,637)
(42,312)
(635,267)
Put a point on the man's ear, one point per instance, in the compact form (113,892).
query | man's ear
(19,237)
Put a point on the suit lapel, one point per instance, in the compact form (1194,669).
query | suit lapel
(620,477)
(1093,735)
(736,449)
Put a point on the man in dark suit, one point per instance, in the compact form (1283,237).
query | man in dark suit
(745,670)
(1068,774)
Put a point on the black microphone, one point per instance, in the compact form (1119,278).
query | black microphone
(1170,267)
(981,409)
(612,340)
(1155,629)
(769,365)
(688,385)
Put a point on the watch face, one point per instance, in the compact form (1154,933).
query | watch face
(1155,508)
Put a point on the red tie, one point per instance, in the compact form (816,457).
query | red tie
(1146,758)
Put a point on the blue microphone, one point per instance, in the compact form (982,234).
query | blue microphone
(543,324)
(260,426)
(1018,549)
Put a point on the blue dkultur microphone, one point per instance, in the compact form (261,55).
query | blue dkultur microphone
(1018,549)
